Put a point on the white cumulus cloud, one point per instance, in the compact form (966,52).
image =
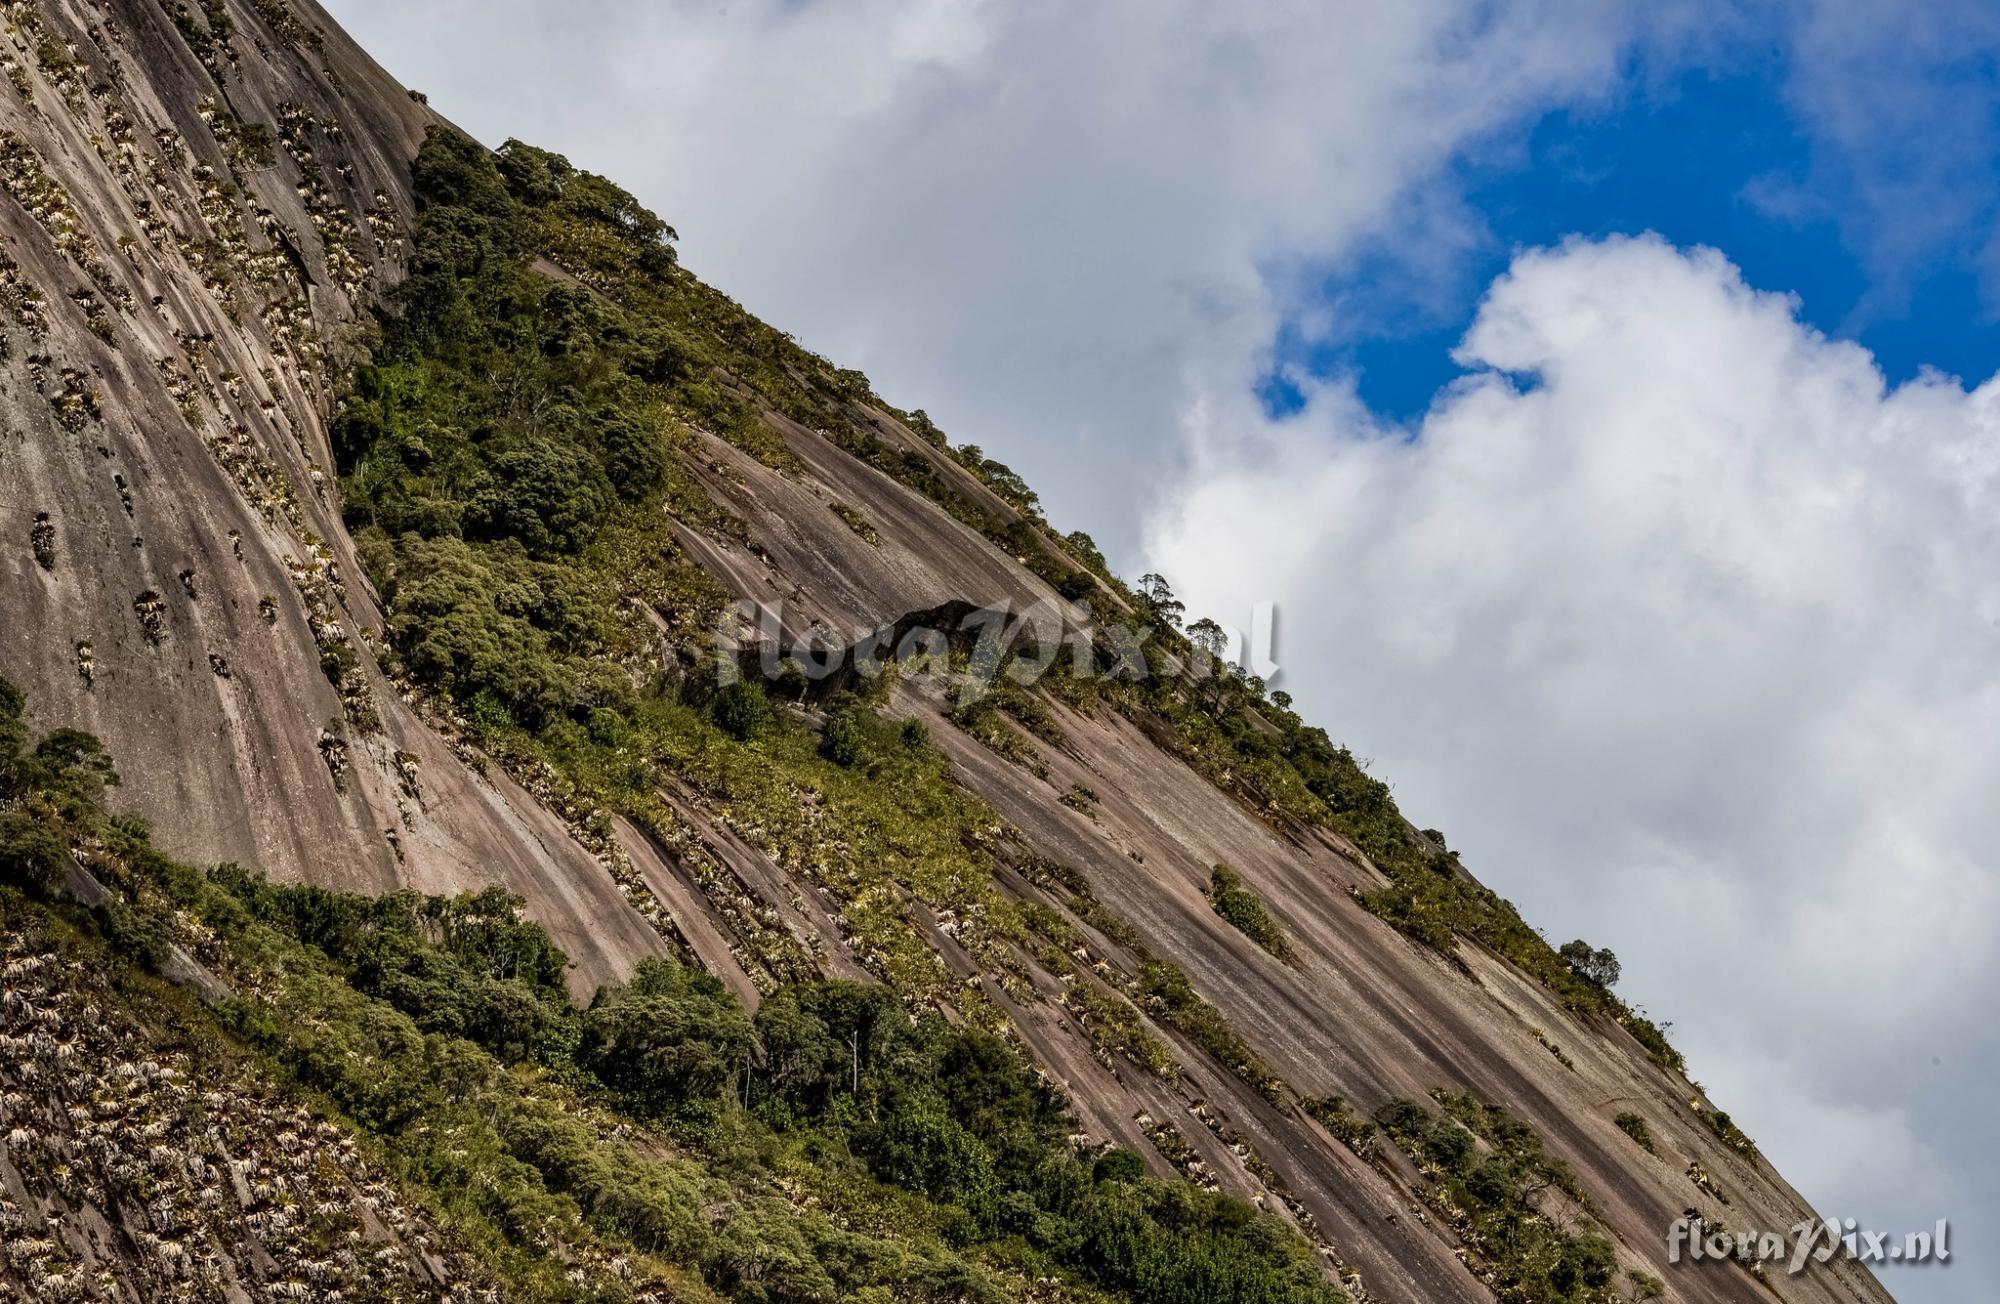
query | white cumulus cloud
(1682,624)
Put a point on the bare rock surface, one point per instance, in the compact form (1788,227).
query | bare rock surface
(179,305)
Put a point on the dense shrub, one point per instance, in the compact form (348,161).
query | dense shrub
(508,451)
(844,741)
(741,710)
(672,1042)
(468,966)
(1598,967)
(33,853)
(1240,906)
(1634,1126)
(1119,1166)
(42,787)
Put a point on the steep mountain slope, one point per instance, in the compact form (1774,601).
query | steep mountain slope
(460,628)
(174,290)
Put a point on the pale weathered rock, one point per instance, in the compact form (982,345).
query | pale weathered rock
(174,315)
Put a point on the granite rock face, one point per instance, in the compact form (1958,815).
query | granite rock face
(201,205)
(200,210)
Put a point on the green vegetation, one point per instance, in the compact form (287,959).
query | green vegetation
(464,968)
(1080,798)
(986,717)
(44,788)
(741,711)
(831,1147)
(844,741)
(1649,1035)
(1240,906)
(1347,1127)
(513,462)
(856,522)
(1167,992)
(1728,1133)
(1488,1177)
(1643,1286)
(1115,1029)
(509,456)
(1597,966)
(209,36)
(1634,1126)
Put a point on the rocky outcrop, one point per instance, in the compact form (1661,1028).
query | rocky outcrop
(201,205)
(133,1168)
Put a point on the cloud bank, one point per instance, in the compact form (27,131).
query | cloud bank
(1684,625)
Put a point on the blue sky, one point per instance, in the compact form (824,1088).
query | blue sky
(1875,211)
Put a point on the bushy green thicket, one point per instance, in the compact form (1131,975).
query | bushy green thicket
(512,456)
(44,787)
(461,967)
(670,1044)
(1634,1126)
(527,415)
(741,710)
(1240,906)
(510,452)
(832,1147)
